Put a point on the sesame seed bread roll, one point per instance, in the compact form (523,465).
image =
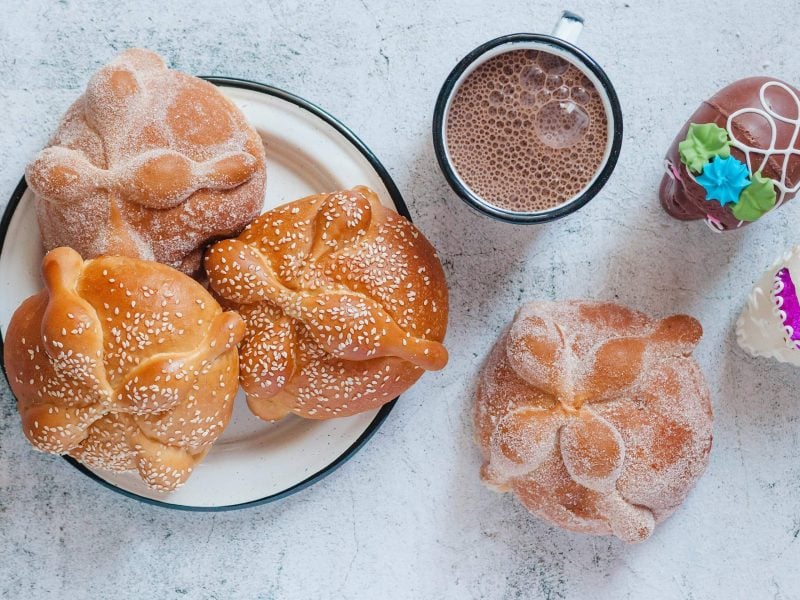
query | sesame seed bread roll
(345,303)
(149,163)
(123,364)
(595,416)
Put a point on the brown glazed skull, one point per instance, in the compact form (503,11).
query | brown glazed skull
(148,163)
(683,198)
(595,416)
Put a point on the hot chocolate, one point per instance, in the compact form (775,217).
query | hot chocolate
(527,131)
(749,127)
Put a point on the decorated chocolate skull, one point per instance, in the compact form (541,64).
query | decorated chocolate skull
(770,323)
(738,157)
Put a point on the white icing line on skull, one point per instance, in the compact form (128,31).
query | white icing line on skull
(767,113)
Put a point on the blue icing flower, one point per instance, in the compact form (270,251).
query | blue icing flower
(724,179)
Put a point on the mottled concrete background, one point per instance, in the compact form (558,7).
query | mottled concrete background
(407,517)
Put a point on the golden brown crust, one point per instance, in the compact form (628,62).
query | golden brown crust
(124,364)
(148,163)
(595,416)
(345,303)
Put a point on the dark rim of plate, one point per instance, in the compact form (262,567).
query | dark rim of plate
(481,205)
(401,208)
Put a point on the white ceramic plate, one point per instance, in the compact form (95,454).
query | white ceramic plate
(308,152)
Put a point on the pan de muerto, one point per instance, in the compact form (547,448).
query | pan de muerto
(148,163)
(345,303)
(124,365)
(595,416)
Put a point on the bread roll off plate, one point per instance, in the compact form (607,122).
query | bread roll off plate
(131,368)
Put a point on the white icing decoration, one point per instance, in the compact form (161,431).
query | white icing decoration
(668,168)
(713,224)
(760,329)
(779,314)
(770,116)
(777,288)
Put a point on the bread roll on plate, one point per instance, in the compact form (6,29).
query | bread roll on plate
(123,364)
(345,303)
(149,163)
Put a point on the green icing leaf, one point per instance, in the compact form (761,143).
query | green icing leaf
(702,143)
(756,199)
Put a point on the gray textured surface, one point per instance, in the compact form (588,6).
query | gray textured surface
(407,517)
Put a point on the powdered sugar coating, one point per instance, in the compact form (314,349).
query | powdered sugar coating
(345,303)
(595,416)
(149,163)
(124,365)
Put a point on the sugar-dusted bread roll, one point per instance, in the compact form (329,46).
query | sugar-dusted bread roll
(769,326)
(149,163)
(123,364)
(345,303)
(595,416)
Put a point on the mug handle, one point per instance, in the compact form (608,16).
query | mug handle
(569,27)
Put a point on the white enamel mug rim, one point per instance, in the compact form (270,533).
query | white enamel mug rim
(552,45)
